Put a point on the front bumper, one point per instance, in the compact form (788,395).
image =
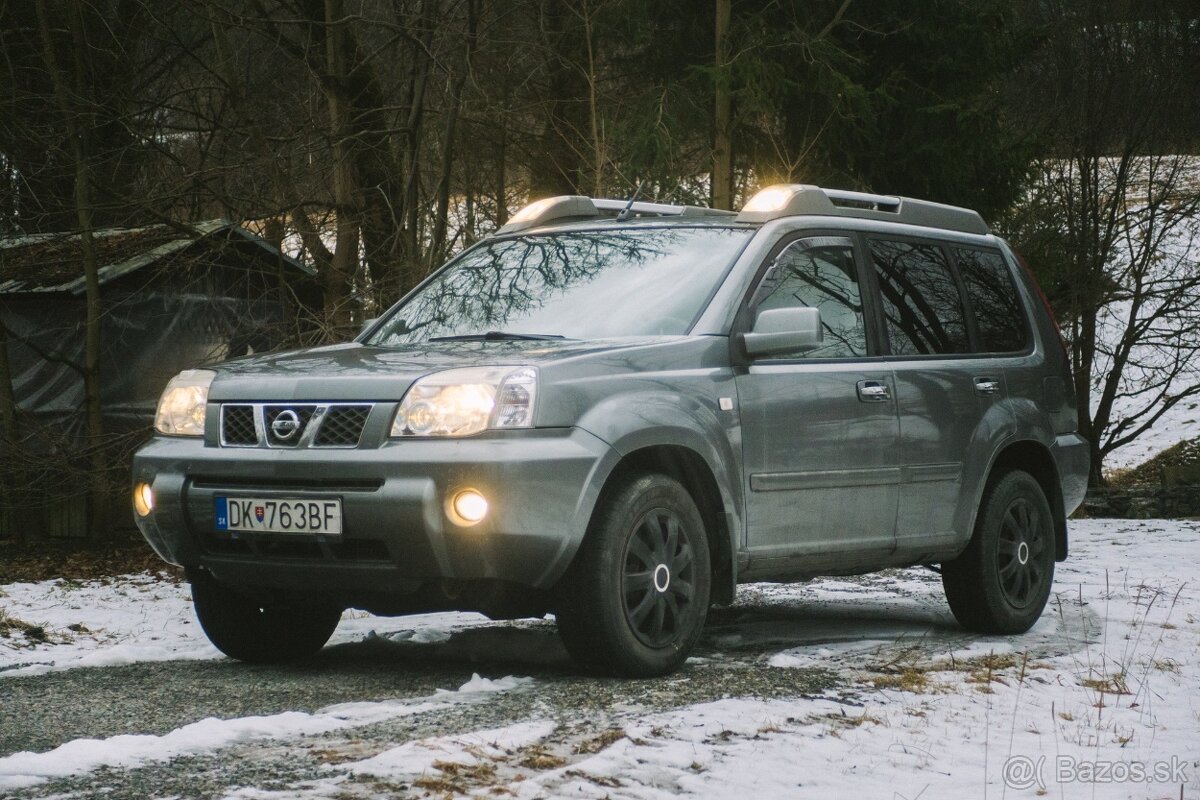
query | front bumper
(541,486)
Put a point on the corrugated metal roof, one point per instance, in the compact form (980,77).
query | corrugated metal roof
(52,262)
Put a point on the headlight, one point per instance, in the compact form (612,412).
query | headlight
(462,402)
(181,407)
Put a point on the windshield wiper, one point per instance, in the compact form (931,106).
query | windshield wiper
(495,336)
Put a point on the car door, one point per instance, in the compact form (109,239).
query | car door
(819,428)
(943,388)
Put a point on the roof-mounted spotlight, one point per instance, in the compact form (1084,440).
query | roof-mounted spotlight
(547,209)
(796,199)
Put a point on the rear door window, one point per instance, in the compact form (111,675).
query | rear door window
(922,308)
(999,315)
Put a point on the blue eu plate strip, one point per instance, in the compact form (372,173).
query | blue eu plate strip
(222,514)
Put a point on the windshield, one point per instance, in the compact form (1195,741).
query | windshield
(636,281)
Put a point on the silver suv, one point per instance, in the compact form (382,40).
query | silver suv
(618,411)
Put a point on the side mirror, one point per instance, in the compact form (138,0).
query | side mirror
(784,330)
(366,324)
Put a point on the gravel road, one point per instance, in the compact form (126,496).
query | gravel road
(41,712)
(38,713)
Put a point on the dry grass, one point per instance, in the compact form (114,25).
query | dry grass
(457,778)
(539,758)
(75,563)
(33,634)
(983,671)
(1114,684)
(599,780)
(839,722)
(910,679)
(599,741)
(351,750)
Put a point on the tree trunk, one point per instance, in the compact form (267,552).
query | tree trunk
(599,156)
(76,123)
(9,468)
(338,278)
(437,242)
(562,166)
(412,266)
(722,173)
(8,400)
(501,187)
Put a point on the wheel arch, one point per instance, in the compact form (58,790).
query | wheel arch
(690,468)
(1036,459)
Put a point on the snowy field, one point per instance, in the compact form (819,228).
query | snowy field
(1181,423)
(1099,700)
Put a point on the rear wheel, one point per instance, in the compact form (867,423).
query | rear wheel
(247,630)
(1001,582)
(636,597)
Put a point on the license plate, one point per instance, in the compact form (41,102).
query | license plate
(278,515)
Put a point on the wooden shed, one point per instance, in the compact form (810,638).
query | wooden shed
(173,297)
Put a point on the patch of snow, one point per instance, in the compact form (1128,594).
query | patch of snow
(806,657)
(129,619)
(417,758)
(139,618)
(25,769)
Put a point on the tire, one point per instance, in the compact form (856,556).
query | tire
(242,628)
(1001,582)
(636,596)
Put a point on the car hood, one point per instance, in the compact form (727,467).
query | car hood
(355,371)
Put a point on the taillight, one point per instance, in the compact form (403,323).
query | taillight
(1045,300)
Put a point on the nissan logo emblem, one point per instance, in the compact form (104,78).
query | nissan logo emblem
(286,425)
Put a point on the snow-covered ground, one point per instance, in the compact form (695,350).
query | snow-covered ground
(1181,423)
(1103,688)
(142,618)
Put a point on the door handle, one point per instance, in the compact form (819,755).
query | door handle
(874,392)
(987,385)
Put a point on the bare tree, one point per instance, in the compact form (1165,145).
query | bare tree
(1125,233)
(454,100)
(1111,219)
(70,93)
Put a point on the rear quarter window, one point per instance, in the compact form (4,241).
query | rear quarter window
(999,315)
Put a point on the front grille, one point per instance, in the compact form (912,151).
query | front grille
(342,426)
(237,426)
(285,425)
(280,425)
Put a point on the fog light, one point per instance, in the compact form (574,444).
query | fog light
(468,507)
(143,499)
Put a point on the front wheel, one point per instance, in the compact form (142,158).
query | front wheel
(636,597)
(1001,582)
(247,630)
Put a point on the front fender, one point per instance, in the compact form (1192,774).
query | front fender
(636,421)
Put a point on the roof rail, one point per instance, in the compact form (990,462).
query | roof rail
(549,209)
(787,200)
